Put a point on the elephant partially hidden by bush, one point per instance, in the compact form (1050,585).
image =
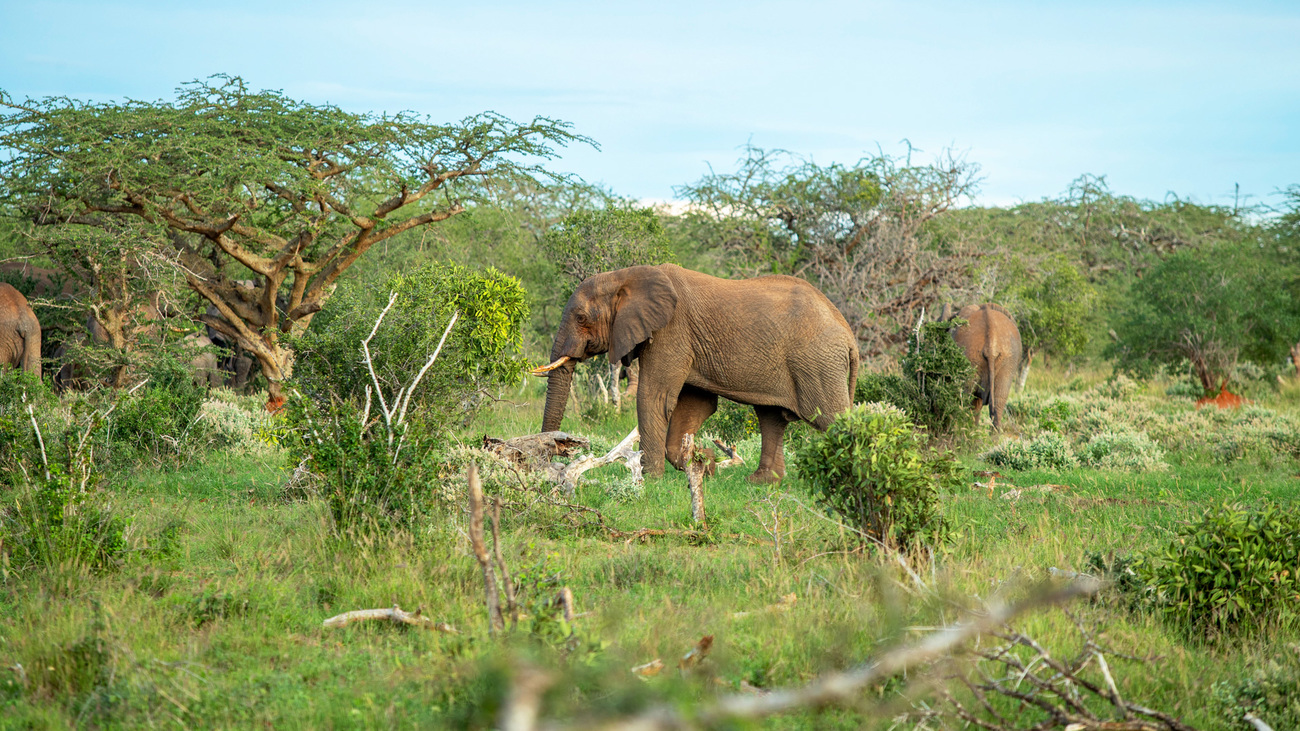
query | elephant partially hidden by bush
(992,343)
(773,342)
(20,332)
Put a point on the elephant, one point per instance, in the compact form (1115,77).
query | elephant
(20,332)
(774,342)
(992,343)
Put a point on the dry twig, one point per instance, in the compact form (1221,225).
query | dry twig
(392,614)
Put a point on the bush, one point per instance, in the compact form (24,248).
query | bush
(1235,568)
(155,422)
(935,382)
(1127,451)
(378,474)
(1047,451)
(481,351)
(57,517)
(872,467)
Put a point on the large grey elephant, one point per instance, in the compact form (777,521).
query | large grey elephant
(773,342)
(992,343)
(20,332)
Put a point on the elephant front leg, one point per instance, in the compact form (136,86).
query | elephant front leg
(652,423)
(771,465)
(693,407)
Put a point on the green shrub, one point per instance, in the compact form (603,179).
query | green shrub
(377,475)
(1046,451)
(732,422)
(934,385)
(156,421)
(226,420)
(482,350)
(1123,450)
(55,516)
(1270,691)
(872,467)
(1235,568)
(1184,390)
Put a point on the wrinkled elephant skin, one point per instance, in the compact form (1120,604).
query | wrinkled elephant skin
(20,332)
(773,342)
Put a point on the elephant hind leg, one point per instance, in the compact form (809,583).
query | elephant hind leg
(772,422)
(693,407)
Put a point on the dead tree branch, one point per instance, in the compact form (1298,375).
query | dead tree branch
(392,614)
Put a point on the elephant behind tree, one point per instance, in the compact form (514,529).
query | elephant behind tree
(20,332)
(773,342)
(992,343)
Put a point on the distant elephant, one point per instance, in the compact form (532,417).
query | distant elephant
(20,332)
(992,343)
(204,367)
(773,342)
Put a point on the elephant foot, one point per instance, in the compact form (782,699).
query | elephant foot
(763,477)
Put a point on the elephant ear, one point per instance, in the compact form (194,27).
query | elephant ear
(644,303)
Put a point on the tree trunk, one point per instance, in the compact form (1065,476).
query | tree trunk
(1295,358)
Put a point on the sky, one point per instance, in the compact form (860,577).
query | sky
(1195,99)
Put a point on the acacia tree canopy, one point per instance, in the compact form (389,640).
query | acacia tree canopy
(291,192)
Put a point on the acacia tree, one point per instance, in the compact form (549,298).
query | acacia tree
(1210,307)
(859,233)
(289,193)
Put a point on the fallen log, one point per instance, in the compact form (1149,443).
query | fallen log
(392,614)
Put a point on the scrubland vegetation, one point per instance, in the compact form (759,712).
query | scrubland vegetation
(170,551)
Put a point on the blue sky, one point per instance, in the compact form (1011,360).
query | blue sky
(1159,97)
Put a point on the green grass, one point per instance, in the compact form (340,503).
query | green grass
(225,632)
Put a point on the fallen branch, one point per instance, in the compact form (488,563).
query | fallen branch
(695,655)
(733,457)
(569,475)
(842,688)
(392,614)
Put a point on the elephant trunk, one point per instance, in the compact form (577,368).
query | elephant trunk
(557,396)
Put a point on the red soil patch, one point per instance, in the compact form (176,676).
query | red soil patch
(1225,400)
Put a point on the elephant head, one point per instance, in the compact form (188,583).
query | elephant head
(613,313)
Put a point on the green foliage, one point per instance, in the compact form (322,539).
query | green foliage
(872,467)
(594,241)
(157,421)
(934,385)
(1210,306)
(55,517)
(1270,690)
(1122,450)
(482,350)
(372,485)
(1054,307)
(377,476)
(733,422)
(1235,569)
(1046,451)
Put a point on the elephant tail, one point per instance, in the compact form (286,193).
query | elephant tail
(854,358)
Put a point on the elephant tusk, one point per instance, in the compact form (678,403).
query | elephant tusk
(552,366)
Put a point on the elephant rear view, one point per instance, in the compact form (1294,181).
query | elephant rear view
(20,332)
(992,343)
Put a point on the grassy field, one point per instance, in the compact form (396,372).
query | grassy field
(223,629)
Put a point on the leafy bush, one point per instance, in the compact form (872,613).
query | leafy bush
(934,385)
(241,424)
(1046,451)
(155,422)
(872,467)
(481,351)
(1127,451)
(1270,690)
(1235,568)
(376,470)
(55,516)
(1054,306)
